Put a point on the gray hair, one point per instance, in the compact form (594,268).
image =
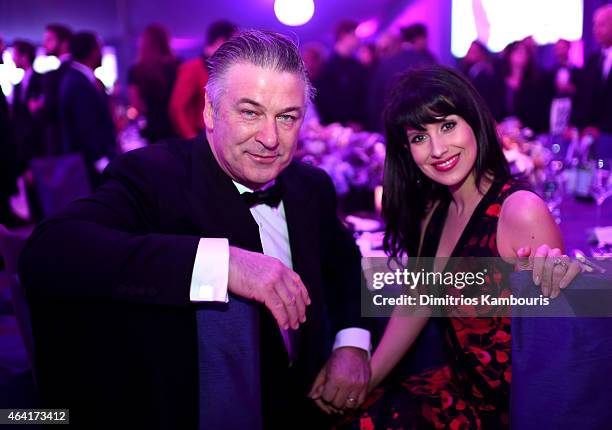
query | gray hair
(266,49)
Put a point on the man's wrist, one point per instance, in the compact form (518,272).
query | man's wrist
(355,350)
(353,337)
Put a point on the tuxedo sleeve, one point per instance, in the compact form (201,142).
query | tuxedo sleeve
(109,247)
(341,265)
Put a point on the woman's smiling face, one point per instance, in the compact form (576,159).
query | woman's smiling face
(445,151)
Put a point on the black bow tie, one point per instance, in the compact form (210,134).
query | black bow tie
(271,196)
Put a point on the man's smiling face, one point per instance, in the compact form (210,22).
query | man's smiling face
(253,132)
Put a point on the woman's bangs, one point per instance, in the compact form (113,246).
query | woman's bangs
(416,112)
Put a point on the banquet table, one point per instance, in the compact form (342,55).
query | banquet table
(578,217)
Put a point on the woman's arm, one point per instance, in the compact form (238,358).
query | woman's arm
(400,334)
(528,236)
(402,329)
(135,99)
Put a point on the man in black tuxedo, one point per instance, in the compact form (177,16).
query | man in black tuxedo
(28,125)
(342,85)
(7,158)
(28,129)
(85,119)
(176,295)
(56,42)
(593,112)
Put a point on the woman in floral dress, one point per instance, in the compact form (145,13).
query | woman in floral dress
(449,193)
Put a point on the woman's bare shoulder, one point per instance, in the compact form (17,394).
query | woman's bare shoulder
(526,221)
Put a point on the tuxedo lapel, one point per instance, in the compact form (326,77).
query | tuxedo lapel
(302,214)
(302,223)
(17,98)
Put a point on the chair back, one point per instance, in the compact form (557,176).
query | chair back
(11,244)
(59,180)
(561,362)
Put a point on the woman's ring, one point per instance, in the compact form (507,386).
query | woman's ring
(560,261)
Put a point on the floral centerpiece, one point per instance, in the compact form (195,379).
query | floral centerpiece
(526,154)
(353,159)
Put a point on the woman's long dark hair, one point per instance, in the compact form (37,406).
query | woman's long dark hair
(422,97)
(155,45)
(155,69)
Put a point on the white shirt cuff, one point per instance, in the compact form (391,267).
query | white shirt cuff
(355,337)
(101,164)
(210,271)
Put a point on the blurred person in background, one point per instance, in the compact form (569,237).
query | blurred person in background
(56,42)
(187,100)
(85,117)
(528,94)
(532,48)
(150,82)
(313,54)
(343,83)
(7,157)
(565,75)
(28,125)
(414,54)
(479,68)
(593,112)
(565,78)
(387,44)
(367,55)
(416,38)
(28,128)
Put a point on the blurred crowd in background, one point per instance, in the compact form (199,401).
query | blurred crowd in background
(69,111)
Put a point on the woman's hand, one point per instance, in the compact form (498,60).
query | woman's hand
(552,270)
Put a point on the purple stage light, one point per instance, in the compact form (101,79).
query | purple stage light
(294,12)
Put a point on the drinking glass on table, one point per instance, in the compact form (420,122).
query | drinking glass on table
(553,188)
(601,187)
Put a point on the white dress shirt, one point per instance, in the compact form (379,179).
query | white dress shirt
(211,267)
(89,74)
(607,62)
